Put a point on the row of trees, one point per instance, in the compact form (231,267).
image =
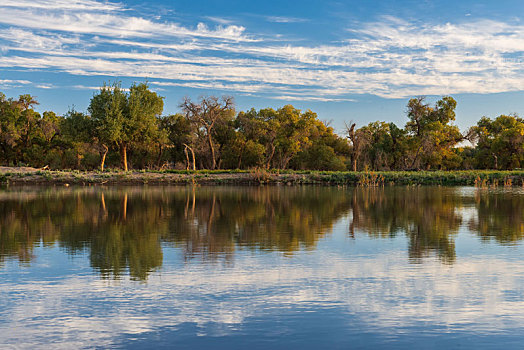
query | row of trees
(128,127)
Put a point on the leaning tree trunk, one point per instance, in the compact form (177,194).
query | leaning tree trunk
(213,160)
(103,157)
(187,158)
(192,155)
(270,158)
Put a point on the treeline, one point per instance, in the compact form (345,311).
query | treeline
(127,129)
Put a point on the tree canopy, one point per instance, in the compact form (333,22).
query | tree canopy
(126,128)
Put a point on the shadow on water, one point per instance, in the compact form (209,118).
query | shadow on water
(123,230)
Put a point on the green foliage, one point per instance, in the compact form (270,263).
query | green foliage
(500,142)
(127,120)
(124,125)
(432,136)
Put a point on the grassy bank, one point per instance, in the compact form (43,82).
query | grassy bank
(481,178)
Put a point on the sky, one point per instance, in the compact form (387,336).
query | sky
(344,60)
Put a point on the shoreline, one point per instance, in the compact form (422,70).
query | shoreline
(17,176)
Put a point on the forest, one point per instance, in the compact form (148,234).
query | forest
(126,128)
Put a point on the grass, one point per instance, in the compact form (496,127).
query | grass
(479,178)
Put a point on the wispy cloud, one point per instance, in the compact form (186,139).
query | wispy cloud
(284,19)
(104,19)
(9,81)
(219,20)
(391,58)
(90,5)
(84,312)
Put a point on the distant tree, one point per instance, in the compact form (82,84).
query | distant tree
(326,150)
(205,115)
(292,133)
(49,126)
(433,137)
(358,139)
(126,120)
(10,133)
(179,131)
(261,128)
(499,142)
(28,122)
(78,133)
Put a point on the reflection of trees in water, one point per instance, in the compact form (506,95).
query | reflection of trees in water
(499,216)
(213,221)
(116,234)
(428,216)
(123,229)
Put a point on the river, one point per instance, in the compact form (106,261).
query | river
(275,267)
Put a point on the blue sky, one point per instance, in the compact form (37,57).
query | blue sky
(345,60)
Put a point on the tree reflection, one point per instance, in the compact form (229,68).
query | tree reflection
(122,230)
(499,216)
(429,216)
(213,221)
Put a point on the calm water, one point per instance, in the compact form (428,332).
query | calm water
(261,267)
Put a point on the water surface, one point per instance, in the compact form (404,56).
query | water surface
(259,267)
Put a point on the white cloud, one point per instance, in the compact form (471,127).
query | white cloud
(379,291)
(391,58)
(90,5)
(12,83)
(111,23)
(285,19)
(219,20)
(9,81)
(45,86)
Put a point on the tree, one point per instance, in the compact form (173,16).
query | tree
(78,134)
(10,133)
(499,142)
(179,131)
(24,134)
(325,151)
(432,134)
(206,114)
(358,140)
(126,120)
(377,146)
(262,128)
(28,120)
(292,133)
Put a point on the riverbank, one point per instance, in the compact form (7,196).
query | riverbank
(481,178)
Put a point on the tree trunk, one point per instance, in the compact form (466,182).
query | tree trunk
(239,161)
(285,161)
(354,162)
(416,157)
(213,160)
(123,156)
(192,154)
(187,158)
(103,157)
(160,154)
(268,164)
